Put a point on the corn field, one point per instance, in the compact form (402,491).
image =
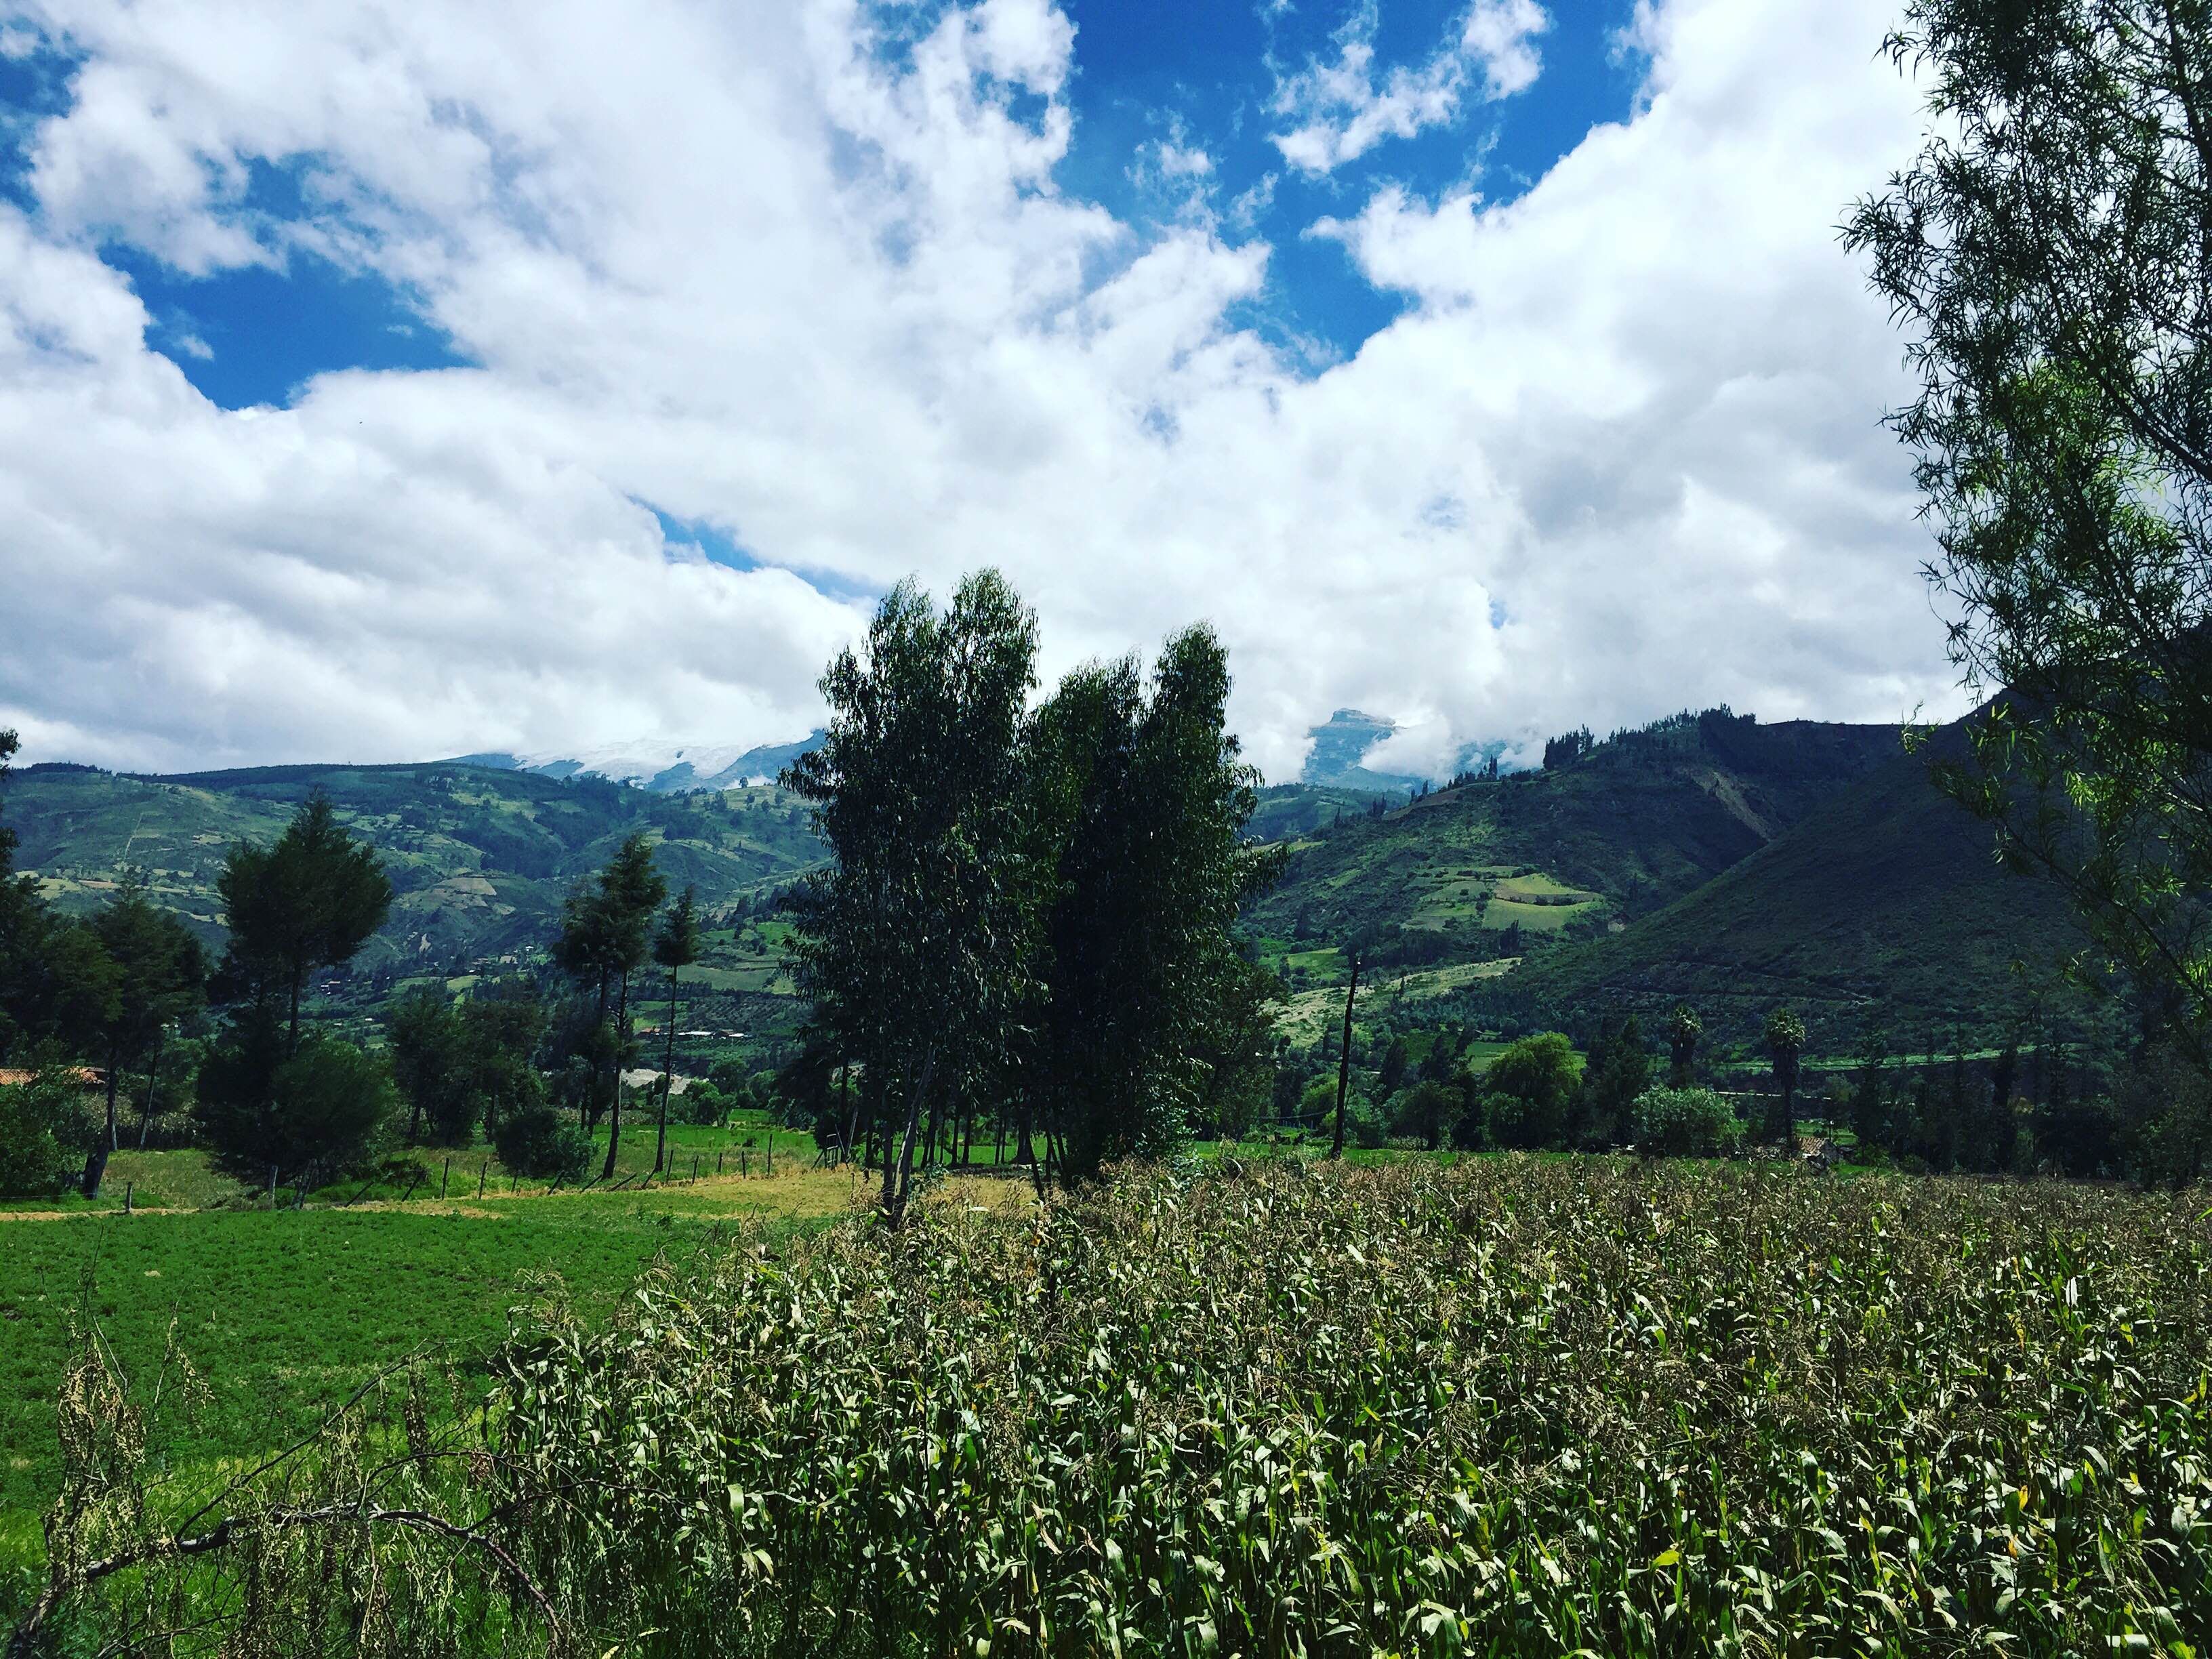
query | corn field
(1507,1406)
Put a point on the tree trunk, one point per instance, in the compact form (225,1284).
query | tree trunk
(895,1197)
(852,1109)
(667,1077)
(1343,1061)
(614,1118)
(153,1072)
(95,1163)
(1024,1151)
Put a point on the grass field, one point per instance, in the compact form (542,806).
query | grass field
(284,1313)
(1497,1406)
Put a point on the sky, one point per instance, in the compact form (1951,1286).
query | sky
(380,382)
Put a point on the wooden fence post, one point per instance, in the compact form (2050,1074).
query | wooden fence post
(272,1186)
(126,1196)
(771,1149)
(481,1170)
(444,1175)
(744,1162)
(695,1168)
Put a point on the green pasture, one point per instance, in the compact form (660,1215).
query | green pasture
(281,1314)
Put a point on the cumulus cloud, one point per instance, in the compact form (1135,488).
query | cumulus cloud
(1343,109)
(760,268)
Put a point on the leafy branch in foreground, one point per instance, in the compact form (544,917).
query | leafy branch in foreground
(2046,255)
(359,1538)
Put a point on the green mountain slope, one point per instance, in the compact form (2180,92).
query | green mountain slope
(1632,824)
(480,857)
(1883,911)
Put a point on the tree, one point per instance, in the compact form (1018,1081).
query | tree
(427,1065)
(309,899)
(1785,1040)
(1527,1090)
(42,1124)
(1344,1054)
(2046,256)
(157,972)
(1684,1028)
(916,942)
(675,947)
(606,929)
(1619,1071)
(1141,797)
(323,1109)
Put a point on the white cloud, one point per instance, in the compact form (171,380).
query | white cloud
(741,264)
(1343,110)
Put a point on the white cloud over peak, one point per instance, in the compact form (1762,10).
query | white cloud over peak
(1343,110)
(760,269)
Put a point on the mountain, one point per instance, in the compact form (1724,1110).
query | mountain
(1489,866)
(480,855)
(1883,910)
(659,766)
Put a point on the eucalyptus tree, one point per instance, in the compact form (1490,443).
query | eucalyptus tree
(915,941)
(1141,799)
(675,947)
(605,933)
(2046,256)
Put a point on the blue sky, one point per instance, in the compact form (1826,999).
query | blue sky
(379,382)
(1146,72)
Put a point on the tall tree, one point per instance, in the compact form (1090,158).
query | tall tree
(1684,1030)
(23,928)
(915,941)
(2046,256)
(1344,1058)
(1140,798)
(1785,1042)
(159,971)
(308,900)
(618,919)
(675,947)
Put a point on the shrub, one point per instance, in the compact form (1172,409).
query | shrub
(43,1127)
(1364,1125)
(1528,1089)
(1684,1123)
(542,1143)
(326,1109)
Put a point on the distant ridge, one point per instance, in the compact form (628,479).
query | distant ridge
(663,769)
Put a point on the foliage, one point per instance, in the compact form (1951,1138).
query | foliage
(322,1109)
(2046,256)
(308,900)
(1142,799)
(542,1142)
(467,1064)
(1428,1112)
(1528,1089)
(42,1126)
(676,946)
(916,943)
(1685,1123)
(1509,1406)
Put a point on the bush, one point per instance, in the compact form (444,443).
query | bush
(43,1127)
(326,1109)
(701,1104)
(1364,1125)
(542,1143)
(1526,1092)
(1684,1123)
